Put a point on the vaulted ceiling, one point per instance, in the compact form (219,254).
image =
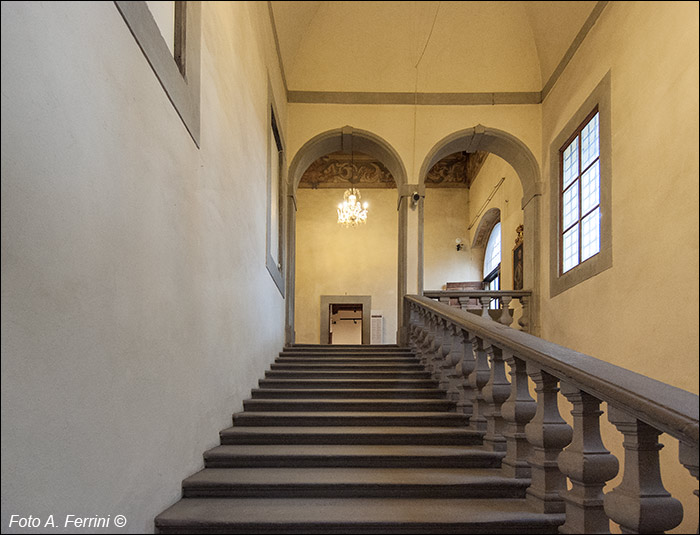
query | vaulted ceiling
(443,47)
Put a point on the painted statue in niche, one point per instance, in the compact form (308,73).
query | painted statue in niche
(518,260)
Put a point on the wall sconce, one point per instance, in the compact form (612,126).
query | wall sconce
(459,244)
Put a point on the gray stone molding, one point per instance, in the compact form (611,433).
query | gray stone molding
(598,263)
(364,300)
(409,98)
(485,226)
(276,269)
(183,91)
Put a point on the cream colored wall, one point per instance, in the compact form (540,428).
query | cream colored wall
(507,199)
(642,313)
(446,218)
(137,312)
(333,260)
(412,132)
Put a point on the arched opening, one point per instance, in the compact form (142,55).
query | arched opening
(340,260)
(520,159)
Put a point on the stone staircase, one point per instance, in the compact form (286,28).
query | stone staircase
(351,439)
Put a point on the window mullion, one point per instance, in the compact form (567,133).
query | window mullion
(579,179)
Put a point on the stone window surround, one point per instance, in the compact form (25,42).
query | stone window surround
(601,261)
(276,269)
(182,89)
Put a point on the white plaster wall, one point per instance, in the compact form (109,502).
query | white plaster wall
(333,260)
(642,313)
(137,312)
(164,14)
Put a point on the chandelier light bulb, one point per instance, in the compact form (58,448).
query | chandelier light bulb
(351,212)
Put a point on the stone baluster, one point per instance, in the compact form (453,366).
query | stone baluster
(495,392)
(517,411)
(414,328)
(477,380)
(444,364)
(547,434)
(524,320)
(465,367)
(428,339)
(506,318)
(434,349)
(588,466)
(640,504)
(454,359)
(688,456)
(485,302)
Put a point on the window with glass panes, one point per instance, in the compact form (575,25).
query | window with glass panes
(492,263)
(579,228)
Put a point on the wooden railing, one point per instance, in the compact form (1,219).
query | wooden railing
(468,354)
(465,299)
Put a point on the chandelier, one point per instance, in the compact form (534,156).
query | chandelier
(351,212)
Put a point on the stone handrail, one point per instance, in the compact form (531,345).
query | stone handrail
(463,298)
(468,353)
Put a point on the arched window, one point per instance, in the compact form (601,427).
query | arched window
(492,262)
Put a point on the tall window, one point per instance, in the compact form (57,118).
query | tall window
(492,262)
(580,194)
(580,223)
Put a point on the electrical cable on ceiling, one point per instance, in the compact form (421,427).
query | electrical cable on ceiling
(429,35)
(415,85)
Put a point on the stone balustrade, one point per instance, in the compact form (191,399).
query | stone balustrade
(468,353)
(475,300)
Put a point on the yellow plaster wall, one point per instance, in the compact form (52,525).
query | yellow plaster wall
(334,260)
(640,314)
(445,218)
(507,199)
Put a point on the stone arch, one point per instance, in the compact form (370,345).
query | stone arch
(483,229)
(500,143)
(346,139)
(524,163)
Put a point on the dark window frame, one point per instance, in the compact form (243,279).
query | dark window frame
(576,182)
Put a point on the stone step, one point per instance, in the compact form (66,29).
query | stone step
(347,383)
(354,515)
(361,348)
(325,359)
(347,353)
(344,366)
(336,405)
(287,374)
(351,456)
(349,418)
(448,483)
(347,393)
(375,435)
